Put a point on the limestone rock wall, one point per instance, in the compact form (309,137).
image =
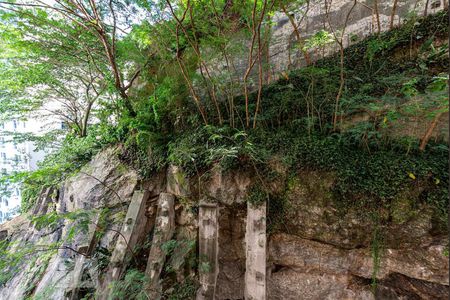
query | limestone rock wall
(50,253)
(283,51)
(313,252)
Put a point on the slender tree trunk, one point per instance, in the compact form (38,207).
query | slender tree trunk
(426,137)
(260,78)
(425,12)
(339,41)
(377,15)
(297,34)
(193,93)
(394,9)
(85,120)
(260,68)
(195,46)
(188,82)
(341,85)
(250,64)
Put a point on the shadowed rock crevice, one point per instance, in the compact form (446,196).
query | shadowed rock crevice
(399,286)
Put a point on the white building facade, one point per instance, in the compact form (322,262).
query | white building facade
(16,157)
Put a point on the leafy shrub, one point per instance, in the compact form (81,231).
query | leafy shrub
(209,145)
(130,287)
(184,290)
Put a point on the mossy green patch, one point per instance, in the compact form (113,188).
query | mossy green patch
(404,207)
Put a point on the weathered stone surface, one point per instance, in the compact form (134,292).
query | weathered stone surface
(132,227)
(32,270)
(75,281)
(105,181)
(255,256)
(231,277)
(48,202)
(228,187)
(287,284)
(208,251)
(164,229)
(312,270)
(186,235)
(40,200)
(55,280)
(50,277)
(313,214)
(3,234)
(398,286)
(317,253)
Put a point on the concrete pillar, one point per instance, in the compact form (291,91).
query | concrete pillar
(208,250)
(164,229)
(255,247)
(132,228)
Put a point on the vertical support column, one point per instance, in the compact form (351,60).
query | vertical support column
(164,229)
(208,250)
(132,228)
(255,240)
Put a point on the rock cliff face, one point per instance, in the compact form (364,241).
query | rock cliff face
(283,50)
(312,249)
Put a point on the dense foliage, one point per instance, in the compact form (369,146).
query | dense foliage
(383,81)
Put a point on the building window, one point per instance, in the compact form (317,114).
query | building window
(4,172)
(15,124)
(3,155)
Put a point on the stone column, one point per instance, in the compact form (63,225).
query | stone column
(164,229)
(132,228)
(255,241)
(208,250)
